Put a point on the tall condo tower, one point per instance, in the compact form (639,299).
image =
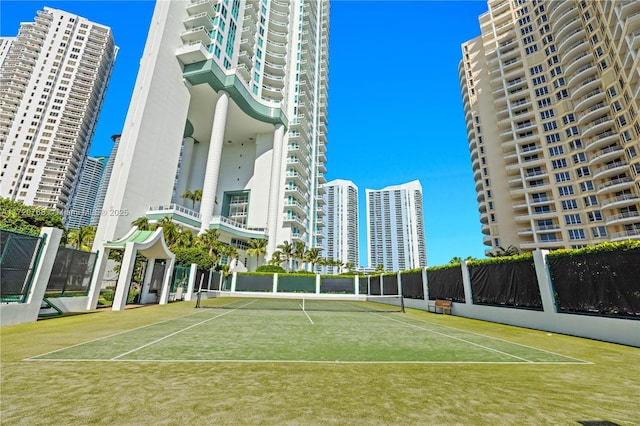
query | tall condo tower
(83,207)
(54,78)
(395,227)
(230,99)
(341,230)
(104,183)
(551,94)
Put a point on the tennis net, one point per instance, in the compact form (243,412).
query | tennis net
(305,302)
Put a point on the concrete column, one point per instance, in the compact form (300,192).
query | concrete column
(214,158)
(425,284)
(399,283)
(317,283)
(96,279)
(166,281)
(466,283)
(146,282)
(356,282)
(544,281)
(124,279)
(275,282)
(192,285)
(274,188)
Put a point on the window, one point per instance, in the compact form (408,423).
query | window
(562,177)
(576,234)
(542,91)
(583,171)
(531,49)
(559,164)
(565,191)
(536,70)
(539,197)
(572,131)
(595,216)
(545,102)
(591,200)
(599,232)
(586,186)
(546,114)
(579,158)
(552,125)
(572,219)
(562,94)
(556,150)
(542,209)
(569,205)
(575,144)
(569,118)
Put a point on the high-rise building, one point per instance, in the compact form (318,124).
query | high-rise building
(230,99)
(551,94)
(83,206)
(54,78)
(341,225)
(395,227)
(104,183)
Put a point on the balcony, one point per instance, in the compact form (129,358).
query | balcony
(202,19)
(622,218)
(606,154)
(621,201)
(597,126)
(631,234)
(615,185)
(202,6)
(602,140)
(196,34)
(594,111)
(611,169)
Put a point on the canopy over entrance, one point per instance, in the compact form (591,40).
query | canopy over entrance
(151,245)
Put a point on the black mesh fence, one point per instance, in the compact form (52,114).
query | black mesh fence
(512,284)
(412,287)
(363,285)
(390,284)
(374,285)
(446,284)
(71,273)
(18,259)
(250,282)
(606,283)
(344,285)
(297,283)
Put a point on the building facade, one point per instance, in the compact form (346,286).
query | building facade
(551,94)
(104,182)
(341,225)
(395,227)
(83,207)
(230,99)
(54,78)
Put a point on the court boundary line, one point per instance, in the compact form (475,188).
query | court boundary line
(577,360)
(36,357)
(298,361)
(177,332)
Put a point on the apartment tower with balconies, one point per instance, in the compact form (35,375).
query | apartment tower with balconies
(551,93)
(55,74)
(395,227)
(230,100)
(341,224)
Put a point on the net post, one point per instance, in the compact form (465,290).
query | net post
(402,303)
(199,292)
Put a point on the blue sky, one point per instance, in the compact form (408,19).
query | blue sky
(395,110)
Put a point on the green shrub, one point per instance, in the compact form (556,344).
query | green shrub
(271,268)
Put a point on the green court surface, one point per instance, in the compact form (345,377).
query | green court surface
(346,332)
(177,365)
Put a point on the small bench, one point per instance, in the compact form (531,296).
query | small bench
(444,306)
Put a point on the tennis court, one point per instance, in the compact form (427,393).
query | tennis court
(302,331)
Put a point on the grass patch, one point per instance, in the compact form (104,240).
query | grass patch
(175,389)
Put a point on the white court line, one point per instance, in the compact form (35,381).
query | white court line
(110,335)
(297,361)
(308,317)
(179,331)
(494,338)
(457,338)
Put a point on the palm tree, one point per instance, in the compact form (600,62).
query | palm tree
(169,229)
(257,247)
(349,266)
(286,249)
(455,260)
(231,252)
(380,268)
(502,252)
(142,223)
(276,258)
(184,239)
(81,238)
(194,196)
(312,256)
(209,240)
(298,251)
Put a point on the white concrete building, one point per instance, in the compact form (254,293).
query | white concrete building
(83,205)
(230,99)
(54,78)
(551,94)
(395,227)
(341,224)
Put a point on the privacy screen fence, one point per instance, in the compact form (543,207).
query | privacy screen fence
(512,284)
(605,283)
(71,273)
(446,284)
(412,287)
(19,256)
(180,278)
